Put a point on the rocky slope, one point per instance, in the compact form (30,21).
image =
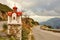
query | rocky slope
(3,11)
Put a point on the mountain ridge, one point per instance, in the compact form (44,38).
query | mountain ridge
(54,22)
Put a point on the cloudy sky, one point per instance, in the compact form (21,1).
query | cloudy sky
(39,7)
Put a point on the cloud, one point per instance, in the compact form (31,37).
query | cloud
(29,13)
(46,7)
(23,3)
(47,13)
(27,4)
(3,1)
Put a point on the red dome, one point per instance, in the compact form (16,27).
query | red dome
(19,13)
(14,7)
(9,13)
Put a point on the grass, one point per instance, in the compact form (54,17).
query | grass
(8,38)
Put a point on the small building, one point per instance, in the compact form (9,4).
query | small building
(14,23)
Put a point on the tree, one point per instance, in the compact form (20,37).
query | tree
(5,26)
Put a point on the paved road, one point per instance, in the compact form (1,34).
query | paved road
(40,34)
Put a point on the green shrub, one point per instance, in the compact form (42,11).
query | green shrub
(25,33)
(12,38)
(5,26)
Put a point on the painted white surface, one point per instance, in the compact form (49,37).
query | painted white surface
(17,19)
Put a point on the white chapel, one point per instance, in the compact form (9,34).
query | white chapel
(14,23)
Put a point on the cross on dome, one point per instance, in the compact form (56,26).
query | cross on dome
(15,8)
(15,11)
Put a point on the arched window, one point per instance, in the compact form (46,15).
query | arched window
(13,18)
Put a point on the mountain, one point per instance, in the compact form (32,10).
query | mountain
(54,22)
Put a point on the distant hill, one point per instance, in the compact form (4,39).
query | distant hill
(54,22)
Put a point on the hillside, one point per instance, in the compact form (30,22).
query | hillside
(3,10)
(29,22)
